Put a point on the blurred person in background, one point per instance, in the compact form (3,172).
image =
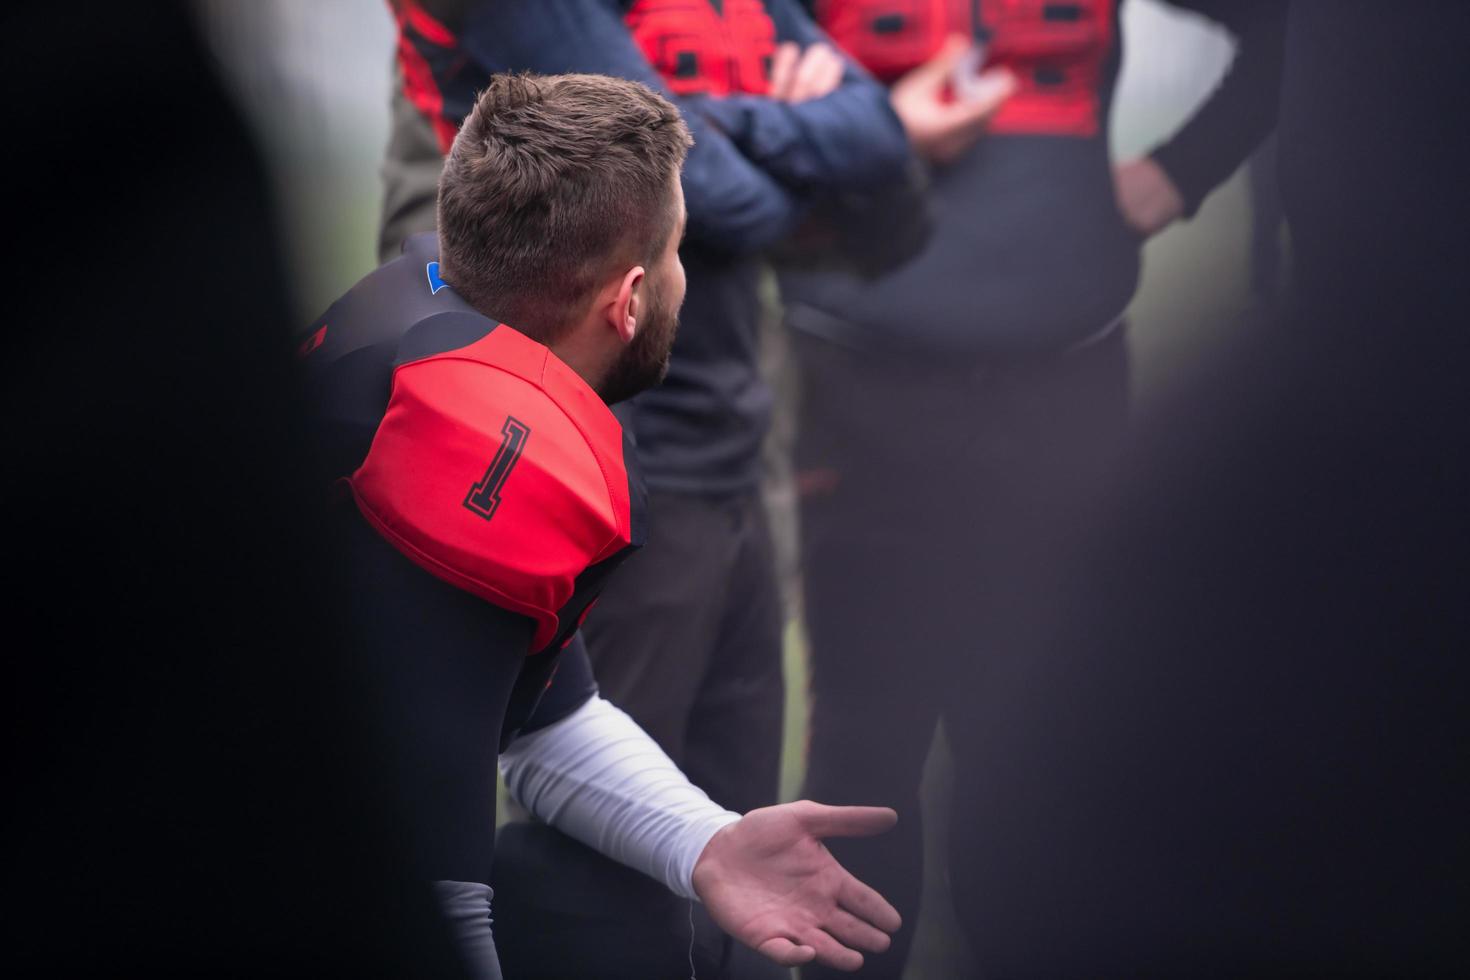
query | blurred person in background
(490,496)
(948,407)
(688,638)
(1231,740)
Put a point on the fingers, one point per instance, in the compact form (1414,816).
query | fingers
(985,94)
(785,952)
(960,123)
(817,73)
(865,903)
(938,69)
(816,945)
(1147,198)
(851,931)
(783,70)
(832,76)
(834,954)
(821,820)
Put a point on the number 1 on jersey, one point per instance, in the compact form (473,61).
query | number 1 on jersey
(484,497)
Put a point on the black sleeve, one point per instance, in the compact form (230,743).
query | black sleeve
(453,669)
(551,690)
(438,668)
(1241,112)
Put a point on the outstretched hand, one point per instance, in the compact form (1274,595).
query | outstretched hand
(768,881)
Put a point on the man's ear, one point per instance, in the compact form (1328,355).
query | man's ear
(627,306)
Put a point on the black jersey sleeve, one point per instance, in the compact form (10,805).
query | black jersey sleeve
(569,686)
(438,667)
(452,662)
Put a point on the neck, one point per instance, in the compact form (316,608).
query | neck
(591,361)
(575,349)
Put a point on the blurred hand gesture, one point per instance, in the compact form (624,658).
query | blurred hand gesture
(768,881)
(940,131)
(797,75)
(1147,198)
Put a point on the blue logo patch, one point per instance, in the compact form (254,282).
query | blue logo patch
(435,283)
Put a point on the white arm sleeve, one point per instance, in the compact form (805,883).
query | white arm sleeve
(598,777)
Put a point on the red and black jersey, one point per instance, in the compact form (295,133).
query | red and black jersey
(1058,50)
(472,450)
(704,48)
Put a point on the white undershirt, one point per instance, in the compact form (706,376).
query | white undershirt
(596,776)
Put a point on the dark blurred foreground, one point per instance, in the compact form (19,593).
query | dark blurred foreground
(1235,755)
(1237,751)
(191,780)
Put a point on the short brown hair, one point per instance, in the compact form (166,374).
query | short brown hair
(553,182)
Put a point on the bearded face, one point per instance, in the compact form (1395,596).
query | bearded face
(645,361)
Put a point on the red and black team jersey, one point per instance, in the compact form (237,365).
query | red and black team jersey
(1058,50)
(474,453)
(703,48)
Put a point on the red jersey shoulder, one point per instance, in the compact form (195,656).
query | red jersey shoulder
(500,471)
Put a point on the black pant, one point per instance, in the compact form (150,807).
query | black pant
(687,640)
(927,488)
